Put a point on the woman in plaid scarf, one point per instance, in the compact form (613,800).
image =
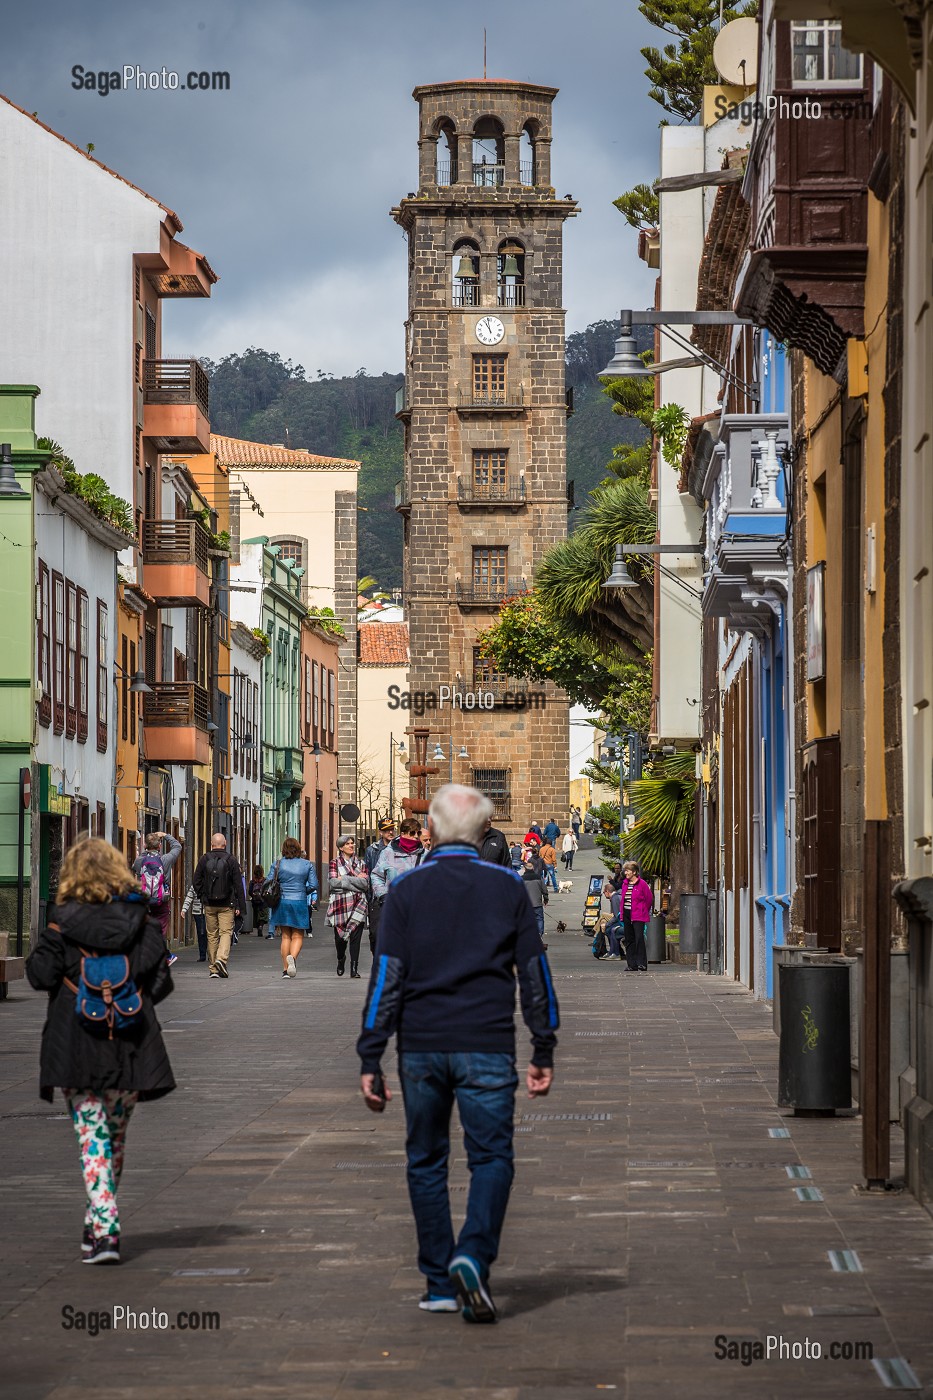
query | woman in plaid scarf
(347,905)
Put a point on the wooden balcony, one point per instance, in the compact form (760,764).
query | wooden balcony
(175,561)
(805,278)
(175,406)
(175,719)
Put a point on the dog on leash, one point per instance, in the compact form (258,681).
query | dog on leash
(561,926)
(564,886)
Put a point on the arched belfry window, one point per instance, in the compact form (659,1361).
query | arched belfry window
(488,152)
(526,156)
(465,273)
(446,167)
(510,266)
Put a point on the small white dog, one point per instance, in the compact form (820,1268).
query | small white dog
(564,886)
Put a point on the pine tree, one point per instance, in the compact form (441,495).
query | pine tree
(679,72)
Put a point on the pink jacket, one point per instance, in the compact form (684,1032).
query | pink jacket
(642,899)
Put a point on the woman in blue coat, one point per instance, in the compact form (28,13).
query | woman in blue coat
(292,919)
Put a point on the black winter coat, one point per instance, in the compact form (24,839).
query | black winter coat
(494,849)
(74,1056)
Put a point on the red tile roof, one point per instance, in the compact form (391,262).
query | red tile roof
(236,452)
(384,644)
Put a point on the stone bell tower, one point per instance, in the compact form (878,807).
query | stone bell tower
(485,414)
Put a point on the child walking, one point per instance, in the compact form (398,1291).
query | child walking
(102,1072)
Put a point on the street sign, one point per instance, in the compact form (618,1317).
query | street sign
(25,787)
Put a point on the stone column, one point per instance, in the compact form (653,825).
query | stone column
(543,160)
(512,155)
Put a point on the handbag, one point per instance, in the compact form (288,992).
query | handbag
(272,890)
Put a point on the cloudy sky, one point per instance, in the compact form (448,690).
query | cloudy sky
(285,181)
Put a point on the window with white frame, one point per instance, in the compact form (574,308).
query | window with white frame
(818,58)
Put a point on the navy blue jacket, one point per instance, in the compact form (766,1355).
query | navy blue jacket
(454,933)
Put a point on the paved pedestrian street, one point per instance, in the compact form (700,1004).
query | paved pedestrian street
(657,1207)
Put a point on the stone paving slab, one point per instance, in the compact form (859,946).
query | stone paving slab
(652,1212)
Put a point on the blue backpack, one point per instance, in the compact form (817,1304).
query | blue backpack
(106,994)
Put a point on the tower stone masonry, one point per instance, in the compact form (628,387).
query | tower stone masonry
(485,417)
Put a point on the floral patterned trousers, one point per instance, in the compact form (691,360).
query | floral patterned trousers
(101,1119)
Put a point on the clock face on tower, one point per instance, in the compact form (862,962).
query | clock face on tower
(490,330)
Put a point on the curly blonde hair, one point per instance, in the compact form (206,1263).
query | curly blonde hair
(93,872)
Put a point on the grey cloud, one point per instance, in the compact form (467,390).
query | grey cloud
(285,181)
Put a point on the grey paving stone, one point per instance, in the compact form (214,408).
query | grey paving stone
(611,1274)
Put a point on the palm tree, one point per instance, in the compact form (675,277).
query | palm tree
(664,804)
(569,578)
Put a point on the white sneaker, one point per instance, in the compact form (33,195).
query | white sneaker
(290,966)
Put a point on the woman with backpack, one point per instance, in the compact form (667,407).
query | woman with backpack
(103,1057)
(290,918)
(260,912)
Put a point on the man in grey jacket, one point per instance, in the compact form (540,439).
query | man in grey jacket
(146,867)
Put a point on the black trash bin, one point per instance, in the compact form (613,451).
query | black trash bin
(693,923)
(656,939)
(814,1075)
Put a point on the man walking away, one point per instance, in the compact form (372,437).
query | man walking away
(454,934)
(371,858)
(494,849)
(153,870)
(551,832)
(549,859)
(218,883)
(532,873)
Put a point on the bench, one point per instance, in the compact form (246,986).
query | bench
(11,969)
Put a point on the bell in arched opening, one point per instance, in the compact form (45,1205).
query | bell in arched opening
(465,269)
(511,278)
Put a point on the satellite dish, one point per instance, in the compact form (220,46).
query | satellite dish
(735,52)
(349,812)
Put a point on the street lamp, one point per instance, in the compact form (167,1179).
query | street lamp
(9,486)
(137,681)
(620,576)
(394,749)
(627,363)
(439,754)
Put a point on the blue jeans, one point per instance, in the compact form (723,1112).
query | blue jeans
(550,873)
(484,1087)
(539,915)
(200,926)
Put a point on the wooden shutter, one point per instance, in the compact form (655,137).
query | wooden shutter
(102,676)
(58,653)
(84,650)
(71,658)
(44,643)
(822,810)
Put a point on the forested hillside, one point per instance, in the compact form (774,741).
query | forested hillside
(259,396)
